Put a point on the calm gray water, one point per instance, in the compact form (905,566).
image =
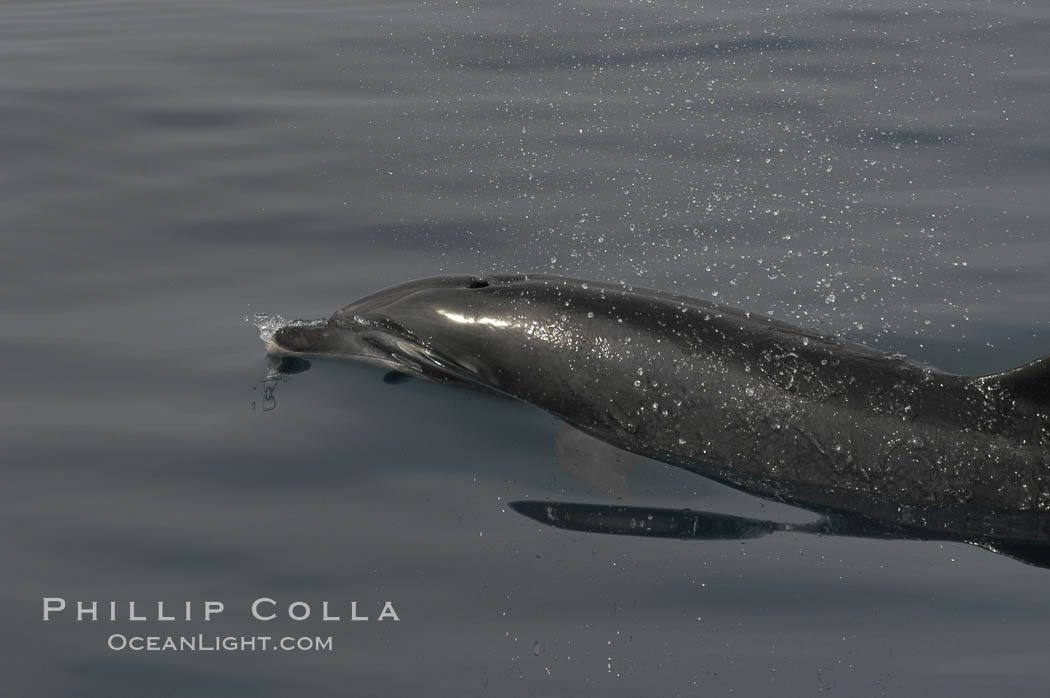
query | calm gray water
(880,170)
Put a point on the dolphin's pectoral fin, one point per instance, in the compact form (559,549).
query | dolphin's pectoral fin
(645,521)
(687,523)
(595,462)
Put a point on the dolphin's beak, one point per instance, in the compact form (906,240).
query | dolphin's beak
(330,341)
(311,340)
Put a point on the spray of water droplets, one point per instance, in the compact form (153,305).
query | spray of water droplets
(269,324)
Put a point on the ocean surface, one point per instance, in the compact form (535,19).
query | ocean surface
(877,169)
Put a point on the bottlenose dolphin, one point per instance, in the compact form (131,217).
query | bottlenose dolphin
(780,411)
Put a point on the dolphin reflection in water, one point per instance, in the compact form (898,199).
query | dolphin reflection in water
(879,444)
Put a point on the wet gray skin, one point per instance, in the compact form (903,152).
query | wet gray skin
(776,410)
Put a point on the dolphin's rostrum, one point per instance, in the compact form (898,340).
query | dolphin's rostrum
(779,411)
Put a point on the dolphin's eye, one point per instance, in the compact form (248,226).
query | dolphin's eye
(477,283)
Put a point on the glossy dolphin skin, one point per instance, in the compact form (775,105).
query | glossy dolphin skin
(779,411)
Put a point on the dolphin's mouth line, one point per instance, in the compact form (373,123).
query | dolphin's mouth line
(410,356)
(379,342)
(275,350)
(382,325)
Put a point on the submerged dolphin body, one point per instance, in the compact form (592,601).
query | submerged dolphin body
(776,410)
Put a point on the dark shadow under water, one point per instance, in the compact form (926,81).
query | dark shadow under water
(686,524)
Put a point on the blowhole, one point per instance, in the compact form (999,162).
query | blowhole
(477,283)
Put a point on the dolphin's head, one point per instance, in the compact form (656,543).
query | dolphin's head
(451,328)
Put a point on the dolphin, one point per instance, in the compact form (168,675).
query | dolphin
(783,412)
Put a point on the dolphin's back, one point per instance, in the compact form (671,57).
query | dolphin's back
(1030,381)
(792,413)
